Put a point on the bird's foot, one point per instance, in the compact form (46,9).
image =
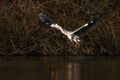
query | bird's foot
(77,45)
(78,42)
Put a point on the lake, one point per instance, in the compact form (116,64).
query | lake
(59,68)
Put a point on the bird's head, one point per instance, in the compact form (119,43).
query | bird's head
(55,26)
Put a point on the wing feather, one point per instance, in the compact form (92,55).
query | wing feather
(46,19)
(86,26)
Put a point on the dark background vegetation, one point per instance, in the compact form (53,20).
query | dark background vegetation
(22,32)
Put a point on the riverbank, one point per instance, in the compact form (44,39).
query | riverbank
(22,32)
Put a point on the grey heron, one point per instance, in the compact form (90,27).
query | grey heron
(71,35)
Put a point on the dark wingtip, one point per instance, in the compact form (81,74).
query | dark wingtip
(41,14)
(92,22)
(42,17)
(95,20)
(45,19)
(98,17)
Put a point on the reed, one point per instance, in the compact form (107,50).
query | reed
(22,32)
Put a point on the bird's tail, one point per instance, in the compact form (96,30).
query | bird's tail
(46,19)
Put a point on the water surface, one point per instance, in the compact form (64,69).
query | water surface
(59,68)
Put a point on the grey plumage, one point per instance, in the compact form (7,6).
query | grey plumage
(46,19)
(70,34)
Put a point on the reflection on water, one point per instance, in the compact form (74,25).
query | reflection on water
(58,68)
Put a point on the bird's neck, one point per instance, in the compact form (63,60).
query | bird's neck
(63,30)
(60,28)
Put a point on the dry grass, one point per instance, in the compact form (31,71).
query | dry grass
(22,32)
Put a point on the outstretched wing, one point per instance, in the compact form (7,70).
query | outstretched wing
(46,19)
(86,26)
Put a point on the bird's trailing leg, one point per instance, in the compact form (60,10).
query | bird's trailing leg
(76,39)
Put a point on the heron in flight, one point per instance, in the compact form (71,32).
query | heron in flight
(71,35)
